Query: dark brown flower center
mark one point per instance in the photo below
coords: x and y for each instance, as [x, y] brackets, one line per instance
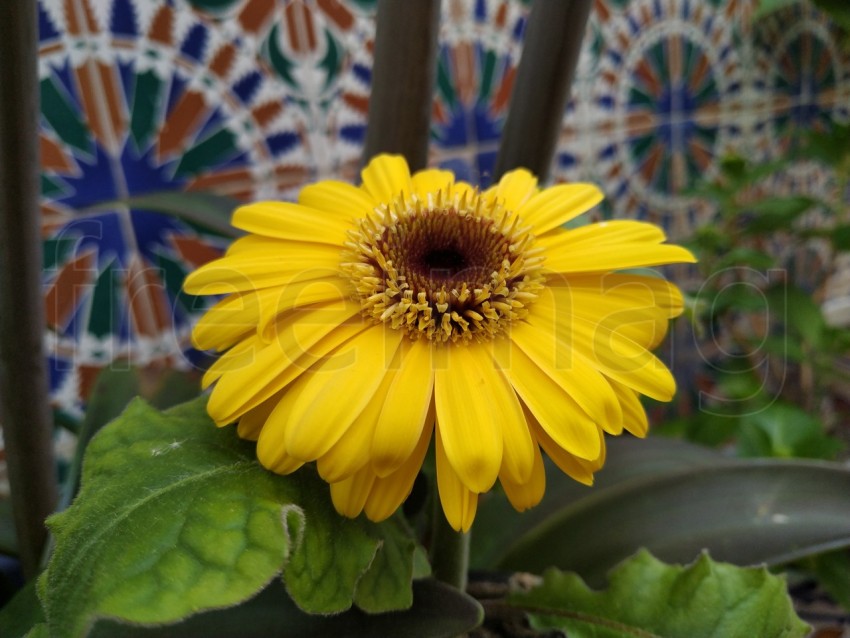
[452, 271]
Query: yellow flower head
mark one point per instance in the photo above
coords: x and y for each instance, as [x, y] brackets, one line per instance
[362, 321]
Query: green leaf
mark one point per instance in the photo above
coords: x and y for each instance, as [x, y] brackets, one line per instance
[785, 431]
[769, 6]
[832, 147]
[840, 237]
[22, 613]
[8, 536]
[837, 10]
[742, 256]
[113, 389]
[743, 511]
[648, 598]
[40, 630]
[776, 213]
[175, 516]
[798, 311]
[831, 570]
[628, 459]
[438, 611]
[386, 587]
[208, 210]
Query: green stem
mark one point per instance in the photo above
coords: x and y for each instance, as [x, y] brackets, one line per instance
[24, 408]
[449, 550]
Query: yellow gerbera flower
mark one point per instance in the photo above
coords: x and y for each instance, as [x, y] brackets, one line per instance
[362, 321]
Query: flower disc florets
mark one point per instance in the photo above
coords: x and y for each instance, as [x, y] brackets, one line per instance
[453, 268]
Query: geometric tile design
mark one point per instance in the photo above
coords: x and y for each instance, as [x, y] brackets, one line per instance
[252, 98]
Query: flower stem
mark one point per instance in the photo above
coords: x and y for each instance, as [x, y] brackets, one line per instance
[24, 410]
[449, 551]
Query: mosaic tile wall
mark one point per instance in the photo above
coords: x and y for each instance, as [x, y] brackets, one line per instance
[251, 98]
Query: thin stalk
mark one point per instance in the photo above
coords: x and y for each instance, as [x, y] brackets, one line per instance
[550, 54]
[24, 409]
[449, 550]
[403, 77]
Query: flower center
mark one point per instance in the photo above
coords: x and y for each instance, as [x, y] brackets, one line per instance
[453, 269]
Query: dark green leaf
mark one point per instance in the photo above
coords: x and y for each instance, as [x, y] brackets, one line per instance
[832, 147]
[768, 6]
[742, 256]
[840, 237]
[837, 10]
[650, 599]
[831, 570]
[8, 536]
[438, 611]
[628, 459]
[113, 389]
[22, 613]
[745, 512]
[175, 516]
[793, 308]
[776, 213]
[207, 210]
[785, 431]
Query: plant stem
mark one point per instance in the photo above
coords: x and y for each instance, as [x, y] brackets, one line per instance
[24, 409]
[550, 54]
[449, 550]
[403, 77]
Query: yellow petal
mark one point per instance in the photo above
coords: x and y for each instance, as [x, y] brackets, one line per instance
[431, 181]
[609, 351]
[585, 385]
[390, 492]
[353, 450]
[624, 289]
[386, 177]
[576, 468]
[334, 392]
[271, 444]
[609, 232]
[274, 302]
[257, 372]
[246, 272]
[624, 360]
[551, 405]
[634, 416]
[223, 324]
[514, 189]
[529, 493]
[252, 422]
[340, 198]
[557, 205]
[257, 244]
[236, 358]
[645, 325]
[349, 496]
[402, 417]
[459, 503]
[285, 220]
[474, 403]
[616, 256]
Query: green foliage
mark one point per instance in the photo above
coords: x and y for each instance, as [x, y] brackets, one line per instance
[765, 335]
[785, 431]
[831, 570]
[113, 389]
[438, 611]
[176, 516]
[648, 598]
[205, 210]
[678, 499]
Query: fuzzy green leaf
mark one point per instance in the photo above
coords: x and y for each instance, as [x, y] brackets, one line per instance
[175, 516]
[648, 598]
[438, 611]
